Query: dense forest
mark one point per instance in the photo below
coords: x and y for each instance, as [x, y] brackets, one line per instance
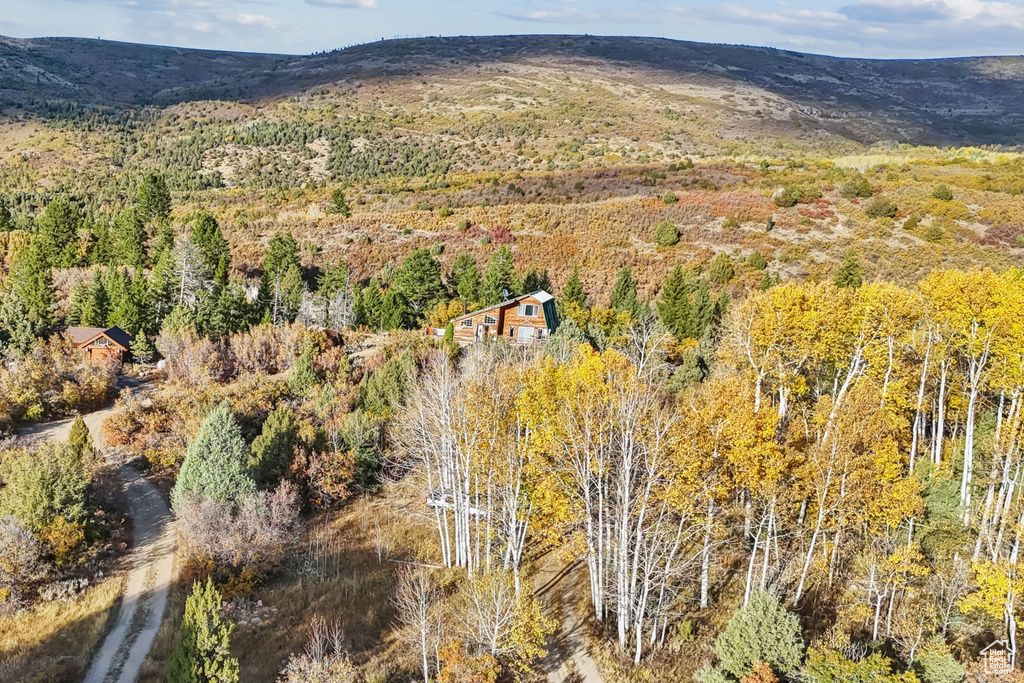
[774, 436]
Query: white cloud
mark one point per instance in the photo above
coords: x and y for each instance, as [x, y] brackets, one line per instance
[353, 4]
[251, 20]
[969, 25]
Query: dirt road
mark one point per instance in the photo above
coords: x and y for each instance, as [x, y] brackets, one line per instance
[149, 578]
[556, 585]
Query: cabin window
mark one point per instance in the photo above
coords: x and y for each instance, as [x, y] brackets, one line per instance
[468, 322]
[490, 320]
[529, 310]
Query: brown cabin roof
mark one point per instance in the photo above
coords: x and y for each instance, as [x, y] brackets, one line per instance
[82, 336]
[540, 295]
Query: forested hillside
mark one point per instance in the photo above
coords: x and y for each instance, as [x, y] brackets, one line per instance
[773, 436]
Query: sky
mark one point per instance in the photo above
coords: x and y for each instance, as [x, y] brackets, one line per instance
[848, 28]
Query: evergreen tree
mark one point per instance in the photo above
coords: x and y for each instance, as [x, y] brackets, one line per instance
[624, 296]
[464, 280]
[130, 238]
[52, 482]
[850, 273]
[163, 285]
[164, 242]
[57, 232]
[419, 285]
[202, 647]
[334, 279]
[216, 462]
[31, 281]
[228, 312]
[272, 451]
[79, 301]
[394, 313]
[534, 282]
[287, 295]
[153, 200]
[96, 307]
[304, 374]
[373, 304]
[281, 254]
[101, 249]
[762, 631]
[499, 280]
[6, 219]
[206, 235]
[573, 291]
[142, 348]
[674, 308]
[703, 309]
[15, 329]
[80, 440]
[723, 303]
[180, 318]
[129, 302]
[338, 203]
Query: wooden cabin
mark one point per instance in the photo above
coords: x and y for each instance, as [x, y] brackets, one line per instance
[101, 344]
[526, 319]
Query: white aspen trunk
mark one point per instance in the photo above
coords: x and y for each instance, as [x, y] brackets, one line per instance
[705, 561]
[940, 426]
[822, 499]
[920, 400]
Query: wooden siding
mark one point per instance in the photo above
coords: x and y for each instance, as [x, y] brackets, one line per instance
[507, 319]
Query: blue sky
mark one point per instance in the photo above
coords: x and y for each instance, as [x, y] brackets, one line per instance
[854, 28]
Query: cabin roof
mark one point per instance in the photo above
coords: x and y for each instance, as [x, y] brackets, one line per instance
[83, 336]
[540, 295]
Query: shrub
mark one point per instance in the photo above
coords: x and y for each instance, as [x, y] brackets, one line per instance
[879, 207]
[763, 631]
[338, 203]
[444, 211]
[40, 487]
[721, 269]
[324, 661]
[666, 234]
[304, 374]
[1019, 241]
[859, 187]
[65, 539]
[936, 664]
[786, 197]
[20, 558]
[943, 193]
[757, 261]
[463, 223]
[669, 197]
[730, 223]
[252, 537]
[912, 221]
[934, 234]
[849, 273]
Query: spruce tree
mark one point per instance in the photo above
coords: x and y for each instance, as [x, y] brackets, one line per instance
[79, 298]
[338, 203]
[850, 273]
[373, 304]
[164, 242]
[721, 269]
[57, 232]
[96, 305]
[419, 283]
[6, 219]
[281, 254]
[206, 235]
[624, 296]
[101, 249]
[464, 280]
[130, 238]
[31, 281]
[15, 330]
[304, 374]
[394, 314]
[216, 462]
[334, 279]
[703, 309]
[153, 200]
[499, 280]
[674, 308]
[80, 440]
[202, 648]
[535, 282]
[272, 451]
[573, 291]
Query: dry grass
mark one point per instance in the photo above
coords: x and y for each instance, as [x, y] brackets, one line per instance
[350, 580]
[55, 641]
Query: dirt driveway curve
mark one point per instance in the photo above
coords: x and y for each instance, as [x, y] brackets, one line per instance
[152, 564]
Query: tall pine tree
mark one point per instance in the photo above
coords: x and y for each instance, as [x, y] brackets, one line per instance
[499, 280]
[573, 292]
[674, 308]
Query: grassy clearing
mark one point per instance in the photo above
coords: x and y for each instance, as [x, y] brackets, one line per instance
[54, 641]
